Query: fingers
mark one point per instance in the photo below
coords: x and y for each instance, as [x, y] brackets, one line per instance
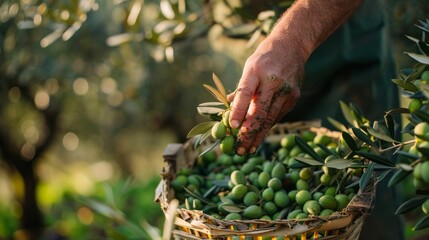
[257, 125]
[244, 94]
[230, 97]
[255, 120]
[277, 108]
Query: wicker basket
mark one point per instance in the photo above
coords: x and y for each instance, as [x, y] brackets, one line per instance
[194, 224]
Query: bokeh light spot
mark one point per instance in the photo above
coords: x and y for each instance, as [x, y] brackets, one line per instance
[13, 10]
[70, 141]
[65, 15]
[31, 134]
[28, 151]
[80, 86]
[37, 20]
[85, 215]
[42, 100]
[108, 85]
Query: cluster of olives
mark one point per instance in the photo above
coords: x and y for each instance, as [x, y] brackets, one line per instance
[226, 134]
[421, 169]
[416, 103]
[232, 187]
[420, 149]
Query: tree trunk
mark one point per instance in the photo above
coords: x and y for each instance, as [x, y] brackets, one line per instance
[32, 219]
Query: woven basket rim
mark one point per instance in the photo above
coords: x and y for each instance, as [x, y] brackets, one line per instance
[355, 211]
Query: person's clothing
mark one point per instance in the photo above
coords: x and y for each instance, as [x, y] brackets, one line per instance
[355, 65]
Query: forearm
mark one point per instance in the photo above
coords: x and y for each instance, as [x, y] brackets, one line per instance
[308, 23]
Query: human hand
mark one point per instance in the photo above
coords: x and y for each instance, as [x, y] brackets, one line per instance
[268, 89]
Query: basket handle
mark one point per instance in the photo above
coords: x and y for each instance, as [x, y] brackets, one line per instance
[170, 155]
[168, 171]
[171, 150]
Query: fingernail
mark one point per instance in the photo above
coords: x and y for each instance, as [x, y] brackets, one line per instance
[252, 150]
[235, 124]
[241, 151]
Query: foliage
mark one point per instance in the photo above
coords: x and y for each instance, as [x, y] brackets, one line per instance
[119, 211]
[384, 138]
[184, 21]
[100, 66]
[379, 142]
[414, 85]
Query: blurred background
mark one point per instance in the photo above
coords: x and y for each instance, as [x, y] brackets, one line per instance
[91, 92]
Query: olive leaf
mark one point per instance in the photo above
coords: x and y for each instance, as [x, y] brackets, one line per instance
[241, 31]
[390, 123]
[381, 175]
[201, 128]
[209, 208]
[366, 177]
[350, 141]
[309, 161]
[406, 167]
[420, 68]
[358, 114]
[200, 197]
[230, 207]
[328, 151]
[415, 95]
[419, 57]
[307, 149]
[380, 135]
[219, 85]
[187, 206]
[411, 205]
[423, 47]
[408, 155]
[339, 126]
[102, 208]
[221, 183]
[398, 111]
[363, 137]
[339, 163]
[348, 114]
[201, 138]
[218, 96]
[409, 127]
[211, 104]
[405, 72]
[422, 223]
[225, 199]
[353, 184]
[415, 40]
[398, 176]
[425, 90]
[422, 115]
[209, 148]
[209, 110]
[408, 86]
[212, 191]
[424, 26]
[380, 159]
[299, 165]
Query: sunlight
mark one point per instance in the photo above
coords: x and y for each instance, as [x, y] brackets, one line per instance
[70, 141]
[42, 100]
[80, 86]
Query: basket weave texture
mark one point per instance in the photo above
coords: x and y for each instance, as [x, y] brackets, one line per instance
[194, 224]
